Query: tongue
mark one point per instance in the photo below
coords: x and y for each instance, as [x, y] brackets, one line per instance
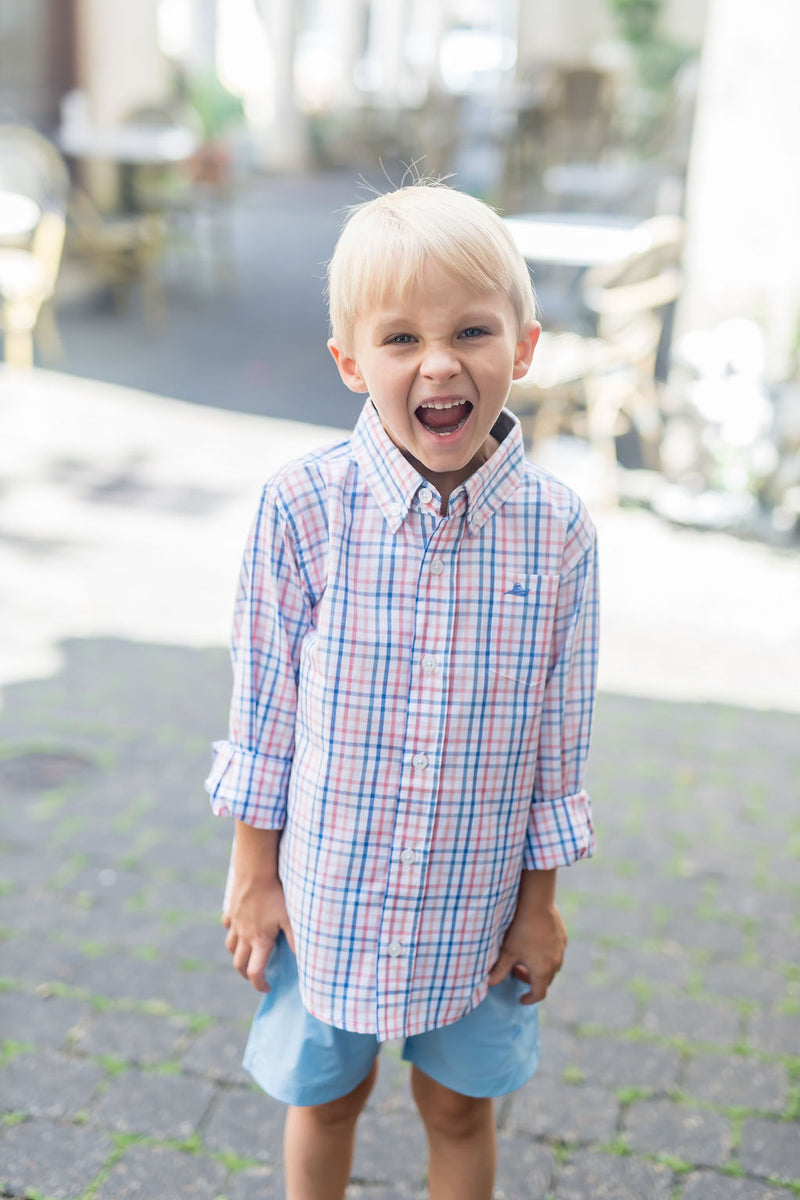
[442, 418]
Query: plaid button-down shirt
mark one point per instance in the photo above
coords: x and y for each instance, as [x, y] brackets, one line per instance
[412, 705]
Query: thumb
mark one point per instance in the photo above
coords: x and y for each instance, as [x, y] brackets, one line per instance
[501, 968]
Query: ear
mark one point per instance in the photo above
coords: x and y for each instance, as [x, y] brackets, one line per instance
[526, 345]
[348, 367]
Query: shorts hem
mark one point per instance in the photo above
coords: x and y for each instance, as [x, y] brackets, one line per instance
[485, 1090]
[302, 1097]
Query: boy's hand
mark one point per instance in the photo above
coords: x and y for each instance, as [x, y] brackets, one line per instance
[535, 941]
[256, 910]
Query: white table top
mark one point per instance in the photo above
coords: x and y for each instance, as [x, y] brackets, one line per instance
[138, 145]
[579, 241]
[18, 214]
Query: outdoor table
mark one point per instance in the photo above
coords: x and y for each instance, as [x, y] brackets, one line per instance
[577, 240]
[129, 145]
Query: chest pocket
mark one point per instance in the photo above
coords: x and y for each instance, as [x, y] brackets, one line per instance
[521, 632]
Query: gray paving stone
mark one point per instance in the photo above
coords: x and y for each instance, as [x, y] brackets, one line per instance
[357, 1191]
[57, 1161]
[778, 946]
[48, 1084]
[617, 1064]
[51, 963]
[524, 1169]
[217, 1053]
[661, 1127]
[778, 1033]
[598, 920]
[133, 1037]
[744, 983]
[388, 1148]
[160, 1173]
[162, 1106]
[221, 994]
[122, 977]
[121, 929]
[669, 966]
[606, 1007]
[708, 1185]
[246, 1123]
[103, 884]
[37, 1021]
[203, 942]
[771, 1148]
[156, 1173]
[612, 1177]
[256, 1183]
[392, 1091]
[559, 1048]
[719, 938]
[733, 1081]
[562, 1112]
[695, 1020]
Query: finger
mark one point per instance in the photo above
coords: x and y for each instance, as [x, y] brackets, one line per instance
[539, 985]
[241, 958]
[231, 941]
[501, 968]
[226, 920]
[257, 965]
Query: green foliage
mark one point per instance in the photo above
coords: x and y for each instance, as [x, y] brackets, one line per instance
[217, 108]
[637, 18]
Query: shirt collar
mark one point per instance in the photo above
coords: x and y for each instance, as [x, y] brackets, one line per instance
[394, 483]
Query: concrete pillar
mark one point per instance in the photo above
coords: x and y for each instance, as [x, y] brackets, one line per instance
[119, 63]
[743, 193]
[283, 137]
[388, 28]
[344, 22]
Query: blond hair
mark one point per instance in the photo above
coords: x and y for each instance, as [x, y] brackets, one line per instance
[386, 242]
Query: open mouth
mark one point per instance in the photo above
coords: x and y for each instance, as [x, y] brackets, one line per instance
[443, 417]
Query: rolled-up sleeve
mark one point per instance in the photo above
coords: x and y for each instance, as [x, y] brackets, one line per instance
[560, 823]
[250, 772]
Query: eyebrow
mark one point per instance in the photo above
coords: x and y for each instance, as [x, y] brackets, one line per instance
[399, 320]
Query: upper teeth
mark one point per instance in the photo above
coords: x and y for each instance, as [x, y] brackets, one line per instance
[442, 403]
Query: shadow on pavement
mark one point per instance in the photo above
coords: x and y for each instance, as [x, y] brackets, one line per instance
[671, 1040]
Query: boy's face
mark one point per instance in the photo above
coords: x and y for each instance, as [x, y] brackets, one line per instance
[438, 364]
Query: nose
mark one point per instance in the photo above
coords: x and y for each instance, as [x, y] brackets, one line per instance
[440, 362]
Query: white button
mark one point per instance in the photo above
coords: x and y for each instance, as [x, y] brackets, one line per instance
[437, 566]
[425, 495]
[429, 663]
[420, 761]
[408, 857]
[394, 949]
[396, 508]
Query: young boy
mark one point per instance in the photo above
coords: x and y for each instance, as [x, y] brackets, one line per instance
[414, 656]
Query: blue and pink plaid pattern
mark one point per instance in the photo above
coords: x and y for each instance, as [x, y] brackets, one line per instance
[412, 704]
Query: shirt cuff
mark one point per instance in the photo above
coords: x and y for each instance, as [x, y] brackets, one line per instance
[559, 832]
[249, 786]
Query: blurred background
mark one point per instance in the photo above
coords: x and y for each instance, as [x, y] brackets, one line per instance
[173, 175]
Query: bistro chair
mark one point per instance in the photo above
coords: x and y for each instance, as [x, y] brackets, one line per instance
[594, 387]
[33, 179]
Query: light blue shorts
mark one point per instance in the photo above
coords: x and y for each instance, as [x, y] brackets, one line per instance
[300, 1060]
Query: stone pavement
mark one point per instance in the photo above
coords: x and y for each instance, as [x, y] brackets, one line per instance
[671, 1066]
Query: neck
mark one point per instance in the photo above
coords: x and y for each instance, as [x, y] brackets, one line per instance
[446, 482]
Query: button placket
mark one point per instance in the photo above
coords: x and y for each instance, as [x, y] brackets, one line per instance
[415, 811]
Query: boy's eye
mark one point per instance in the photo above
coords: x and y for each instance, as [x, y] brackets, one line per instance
[473, 331]
[399, 339]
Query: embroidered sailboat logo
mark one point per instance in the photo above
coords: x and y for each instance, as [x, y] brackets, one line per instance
[516, 590]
